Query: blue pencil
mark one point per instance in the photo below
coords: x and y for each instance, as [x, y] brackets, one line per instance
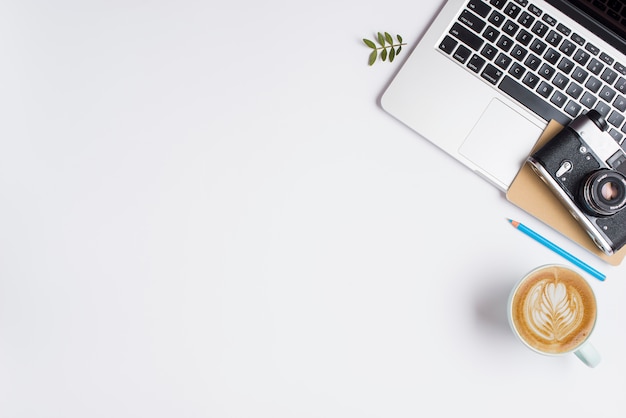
[560, 251]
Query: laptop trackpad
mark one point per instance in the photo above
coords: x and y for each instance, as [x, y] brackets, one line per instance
[500, 141]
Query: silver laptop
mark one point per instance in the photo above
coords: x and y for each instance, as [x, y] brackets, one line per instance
[488, 76]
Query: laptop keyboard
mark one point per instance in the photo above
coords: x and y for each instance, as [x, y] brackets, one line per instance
[539, 62]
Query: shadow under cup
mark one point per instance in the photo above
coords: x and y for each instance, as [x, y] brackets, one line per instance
[553, 311]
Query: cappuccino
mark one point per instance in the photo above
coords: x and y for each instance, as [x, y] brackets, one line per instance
[553, 310]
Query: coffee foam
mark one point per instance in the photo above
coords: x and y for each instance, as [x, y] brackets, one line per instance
[554, 310]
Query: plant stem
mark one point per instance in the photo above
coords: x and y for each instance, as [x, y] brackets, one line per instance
[392, 46]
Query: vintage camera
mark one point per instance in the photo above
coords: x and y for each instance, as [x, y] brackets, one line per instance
[586, 169]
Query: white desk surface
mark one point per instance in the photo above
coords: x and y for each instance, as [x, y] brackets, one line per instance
[205, 213]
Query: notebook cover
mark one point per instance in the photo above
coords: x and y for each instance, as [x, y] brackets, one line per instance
[530, 194]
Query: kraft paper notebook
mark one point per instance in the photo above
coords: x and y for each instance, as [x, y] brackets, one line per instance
[530, 194]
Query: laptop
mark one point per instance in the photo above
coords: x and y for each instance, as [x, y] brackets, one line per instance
[488, 75]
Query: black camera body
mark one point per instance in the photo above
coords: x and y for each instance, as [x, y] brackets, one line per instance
[586, 169]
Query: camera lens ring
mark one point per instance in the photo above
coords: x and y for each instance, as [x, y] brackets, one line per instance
[604, 192]
[597, 119]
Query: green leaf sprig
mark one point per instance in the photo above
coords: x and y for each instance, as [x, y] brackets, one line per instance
[389, 48]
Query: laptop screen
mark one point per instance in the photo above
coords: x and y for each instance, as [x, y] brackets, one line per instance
[607, 19]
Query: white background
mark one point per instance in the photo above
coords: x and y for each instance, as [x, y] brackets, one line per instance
[205, 213]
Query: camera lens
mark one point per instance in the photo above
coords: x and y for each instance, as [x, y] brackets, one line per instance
[604, 192]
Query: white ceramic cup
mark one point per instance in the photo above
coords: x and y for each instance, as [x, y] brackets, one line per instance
[553, 311]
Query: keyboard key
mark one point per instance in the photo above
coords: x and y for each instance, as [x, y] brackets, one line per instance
[466, 36]
[491, 34]
[532, 101]
[492, 74]
[544, 89]
[593, 84]
[603, 108]
[567, 48]
[594, 50]
[518, 52]
[572, 108]
[532, 62]
[563, 29]
[565, 65]
[582, 57]
[620, 103]
[580, 75]
[620, 68]
[526, 19]
[489, 51]
[546, 71]
[620, 85]
[535, 10]
[588, 100]
[462, 53]
[472, 21]
[498, 4]
[480, 8]
[595, 66]
[517, 70]
[552, 56]
[530, 80]
[496, 18]
[448, 44]
[607, 94]
[540, 29]
[558, 99]
[609, 76]
[505, 43]
[538, 46]
[554, 38]
[574, 90]
[615, 119]
[475, 63]
[503, 61]
[510, 28]
[512, 10]
[560, 81]
[549, 20]
[606, 58]
[524, 37]
[578, 39]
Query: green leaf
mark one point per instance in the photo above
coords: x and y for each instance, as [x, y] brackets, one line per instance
[372, 58]
[369, 43]
[384, 42]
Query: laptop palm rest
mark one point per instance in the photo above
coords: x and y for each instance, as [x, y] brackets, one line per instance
[500, 141]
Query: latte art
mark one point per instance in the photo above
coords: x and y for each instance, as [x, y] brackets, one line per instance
[553, 310]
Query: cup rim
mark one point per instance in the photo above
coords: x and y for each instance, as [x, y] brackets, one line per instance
[510, 313]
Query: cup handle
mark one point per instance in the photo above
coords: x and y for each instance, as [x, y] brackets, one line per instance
[588, 355]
